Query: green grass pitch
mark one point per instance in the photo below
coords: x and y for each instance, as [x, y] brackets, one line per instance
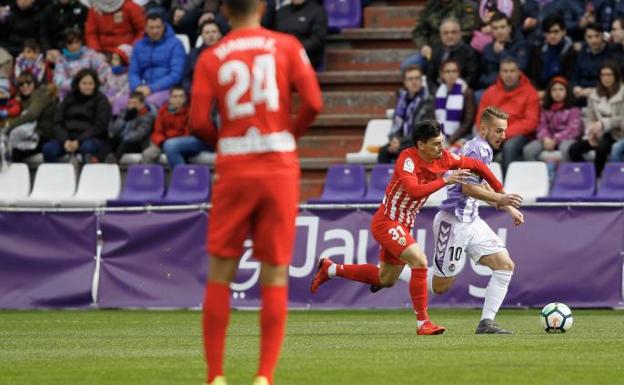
[322, 347]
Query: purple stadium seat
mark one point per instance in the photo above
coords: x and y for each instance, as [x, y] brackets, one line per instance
[343, 13]
[573, 182]
[145, 183]
[344, 183]
[612, 183]
[190, 183]
[379, 179]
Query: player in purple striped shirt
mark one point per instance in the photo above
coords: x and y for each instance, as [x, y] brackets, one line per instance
[459, 232]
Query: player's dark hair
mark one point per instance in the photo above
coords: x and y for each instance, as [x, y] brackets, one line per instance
[553, 20]
[425, 130]
[490, 113]
[238, 8]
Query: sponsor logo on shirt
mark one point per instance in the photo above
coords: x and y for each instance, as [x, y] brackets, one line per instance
[408, 166]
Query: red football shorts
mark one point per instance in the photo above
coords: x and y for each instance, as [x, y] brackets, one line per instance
[263, 208]
[392, 236]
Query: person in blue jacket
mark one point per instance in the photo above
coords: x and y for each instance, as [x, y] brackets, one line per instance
[158, 61]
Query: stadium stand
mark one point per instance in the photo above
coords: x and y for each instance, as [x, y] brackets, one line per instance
[529, 179]
[574, 181]
[345, 183]
[379, 178]
[98, 183]
[376, 135]
[612, 183]
[54, 182]
[190, 184]
[145, 183]
[14, 183]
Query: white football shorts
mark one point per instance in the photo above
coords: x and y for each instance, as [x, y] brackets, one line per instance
[455, 240]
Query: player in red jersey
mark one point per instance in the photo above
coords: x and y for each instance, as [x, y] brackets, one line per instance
[249, 75]
[419, 171]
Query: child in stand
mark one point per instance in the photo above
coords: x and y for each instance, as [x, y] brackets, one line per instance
[32, 60]
[117, 83]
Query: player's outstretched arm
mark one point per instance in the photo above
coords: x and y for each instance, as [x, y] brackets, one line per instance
[480, 168]
[496, 199]
[303, 78]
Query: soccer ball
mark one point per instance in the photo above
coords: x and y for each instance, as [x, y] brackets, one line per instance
[556, 317]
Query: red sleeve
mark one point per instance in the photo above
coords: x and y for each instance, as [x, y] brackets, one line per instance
[158, 135]
[91, 35]
[476, 166]
[405, 171]
[202, 102]
[303, 79]
[14, 108]
[137, 20]
[528, 123]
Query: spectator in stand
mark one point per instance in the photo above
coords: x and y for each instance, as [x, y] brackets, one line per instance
[413, 105]
[111, 23]
[426, 32]
[617, 37]
[503, 45]
[6, 70]
[454, 104]
[589, 61]
[605, 117]
[606, 12]
[184, 17]
[157, 62]
[514, 94]
[38, 104]
[76, 57]
[31, 60]
[536, 11]
[306, 20]
[453, 47]
[9, 107]
[560, 123]
[117, 85]
[556, 57]
[211, 11]
[130, 131]
[171, 133]
[81, 120]
[487, 9]
[23, 21]
[210, 34]
[61, 16]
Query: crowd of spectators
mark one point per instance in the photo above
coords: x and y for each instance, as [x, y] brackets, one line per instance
[92, 80]
[554, 66]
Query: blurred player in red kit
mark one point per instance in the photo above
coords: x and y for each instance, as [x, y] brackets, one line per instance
[419, 171]
[249, 75]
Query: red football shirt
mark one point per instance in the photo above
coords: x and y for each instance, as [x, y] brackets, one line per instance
[415, 179]
[250, 75]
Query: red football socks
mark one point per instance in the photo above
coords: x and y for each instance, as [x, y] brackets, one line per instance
[216, 317]
[272, 327]
[418, 292]
[361, 273]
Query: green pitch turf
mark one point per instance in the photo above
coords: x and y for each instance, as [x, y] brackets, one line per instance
[322, 347]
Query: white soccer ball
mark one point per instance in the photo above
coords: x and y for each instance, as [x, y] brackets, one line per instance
[556, 317]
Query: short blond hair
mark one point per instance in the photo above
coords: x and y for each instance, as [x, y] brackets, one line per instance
[490, 113]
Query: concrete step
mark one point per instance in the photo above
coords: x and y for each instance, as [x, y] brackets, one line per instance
[352, 102]
[366, 59]
[360, 80]
[328, 146]
[374, 37]
[391, 16]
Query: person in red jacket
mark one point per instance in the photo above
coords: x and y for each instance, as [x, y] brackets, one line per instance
[171, 133]
[111, 23]
[514, 94]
